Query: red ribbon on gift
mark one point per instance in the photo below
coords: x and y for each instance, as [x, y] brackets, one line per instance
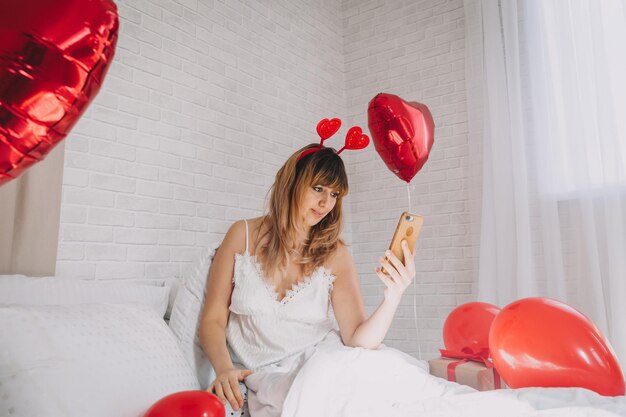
[466, 356]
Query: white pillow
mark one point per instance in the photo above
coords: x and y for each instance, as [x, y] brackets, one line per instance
[184, 320]
[96, 360]
[172, 282]
[18, 289]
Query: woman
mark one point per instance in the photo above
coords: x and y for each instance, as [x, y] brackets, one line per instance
[274, 279]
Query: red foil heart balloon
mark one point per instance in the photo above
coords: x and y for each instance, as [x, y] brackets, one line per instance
[539, 342]
[403, 133]
[53, 59]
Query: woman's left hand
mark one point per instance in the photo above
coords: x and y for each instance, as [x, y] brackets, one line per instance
[399, 276]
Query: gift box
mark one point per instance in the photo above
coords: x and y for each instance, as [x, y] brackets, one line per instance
[467, 372]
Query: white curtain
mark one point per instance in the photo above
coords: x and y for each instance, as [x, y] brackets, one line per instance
[547, 106]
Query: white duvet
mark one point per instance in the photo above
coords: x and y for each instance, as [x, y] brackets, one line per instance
[332, 380]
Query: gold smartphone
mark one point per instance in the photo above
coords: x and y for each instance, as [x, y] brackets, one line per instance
[408, 229]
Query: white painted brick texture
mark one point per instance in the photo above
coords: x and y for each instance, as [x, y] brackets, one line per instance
[204, 101]
[416, 51]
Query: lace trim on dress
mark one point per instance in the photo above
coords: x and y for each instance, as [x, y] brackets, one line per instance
[330, 280]
[296, 287]
[256, 270]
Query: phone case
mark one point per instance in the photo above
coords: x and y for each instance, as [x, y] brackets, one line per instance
[408, 229]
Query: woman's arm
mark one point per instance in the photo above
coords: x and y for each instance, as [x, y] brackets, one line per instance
[214, 318]
[355, 329]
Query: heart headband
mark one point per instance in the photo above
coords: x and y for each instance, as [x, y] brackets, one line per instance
[355, 139]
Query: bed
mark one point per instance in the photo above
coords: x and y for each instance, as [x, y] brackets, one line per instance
[108, 348]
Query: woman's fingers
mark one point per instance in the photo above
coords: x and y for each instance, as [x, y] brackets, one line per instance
[219, 392]
[391, 270]
[397, 276]
[230, 396]
[226, 387]
[384, 278]
[396, 262]
[244, 374]
[234, 385]
[409, 262]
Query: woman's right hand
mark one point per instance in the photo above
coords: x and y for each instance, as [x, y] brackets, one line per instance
[226, 386]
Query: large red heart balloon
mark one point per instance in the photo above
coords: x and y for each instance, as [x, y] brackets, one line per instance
[466, 329]
[187, 404]
[54, 56]
[403, 133]
[540, 342]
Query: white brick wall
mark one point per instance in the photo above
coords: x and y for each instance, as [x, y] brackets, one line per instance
[202, 103]
[416, 51]
[205, 100]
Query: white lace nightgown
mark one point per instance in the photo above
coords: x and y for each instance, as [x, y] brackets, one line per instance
[280, 338]
[272, 336]
[262, 329]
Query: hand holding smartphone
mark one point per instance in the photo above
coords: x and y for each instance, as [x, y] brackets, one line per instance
[408, 229]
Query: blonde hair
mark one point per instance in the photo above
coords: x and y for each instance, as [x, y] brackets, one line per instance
[323, 167]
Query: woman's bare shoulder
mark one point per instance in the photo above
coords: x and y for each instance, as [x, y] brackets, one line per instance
[256, 230]
[255, 223]
[340, 259]
[235, 238]
[340, 250]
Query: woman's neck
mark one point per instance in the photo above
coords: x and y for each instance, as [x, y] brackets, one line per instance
[302, 236]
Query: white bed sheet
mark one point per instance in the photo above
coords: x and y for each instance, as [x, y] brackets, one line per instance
[527, 402]
[336, 381]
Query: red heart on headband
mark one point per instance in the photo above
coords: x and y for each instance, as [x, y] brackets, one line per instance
[326, 128]
[355, 139]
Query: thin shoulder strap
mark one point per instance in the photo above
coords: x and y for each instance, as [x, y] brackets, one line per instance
[246, 222]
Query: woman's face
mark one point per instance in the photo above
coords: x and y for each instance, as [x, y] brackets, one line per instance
[316, 203]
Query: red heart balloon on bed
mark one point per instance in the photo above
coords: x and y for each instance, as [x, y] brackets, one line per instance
[187, 404]
[466, 329]
[403, 133]
[540, 342]
[54, 56]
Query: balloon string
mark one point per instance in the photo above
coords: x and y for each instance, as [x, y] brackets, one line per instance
[417, 333]
[408, 194]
